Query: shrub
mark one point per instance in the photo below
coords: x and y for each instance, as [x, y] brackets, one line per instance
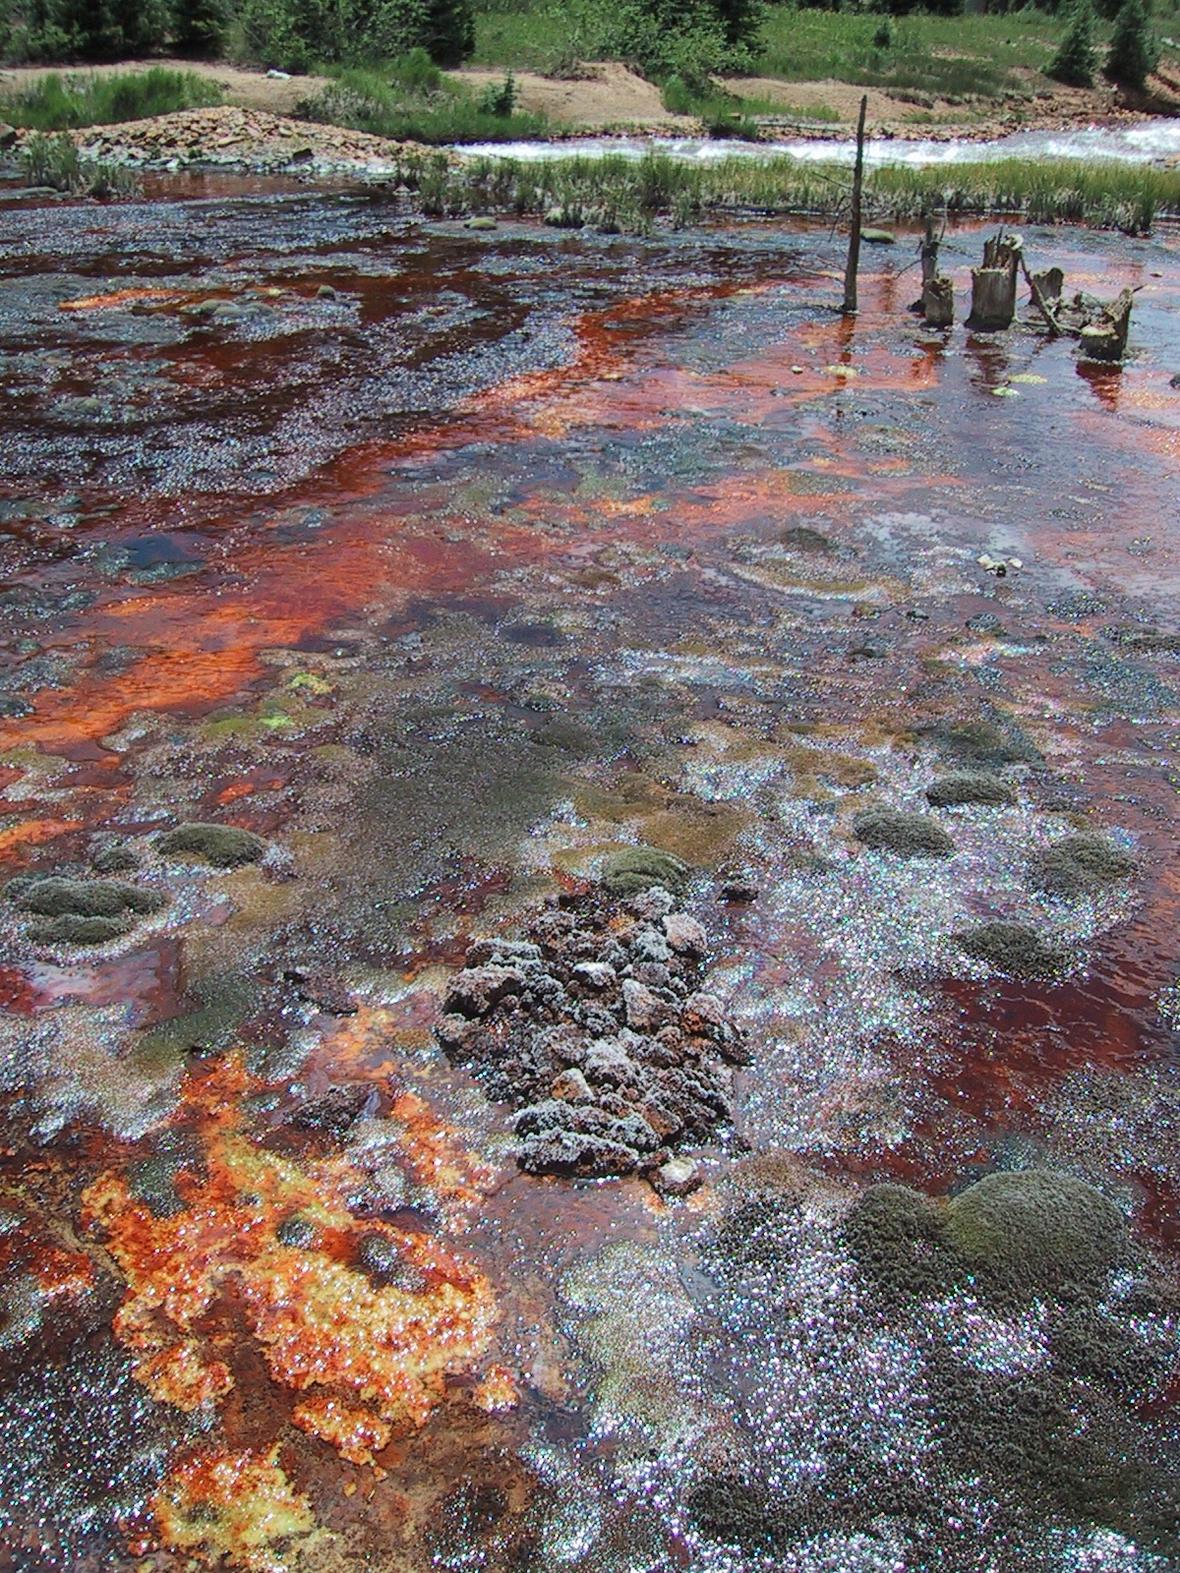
[1075, 61]
[499, 98]
[56, 163]
[1133, 48]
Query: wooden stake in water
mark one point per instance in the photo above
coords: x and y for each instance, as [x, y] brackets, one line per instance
[854, 229]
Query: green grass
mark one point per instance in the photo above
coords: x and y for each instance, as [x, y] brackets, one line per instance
[536, 37]
[617, 194]
[63, 103]
[401, 101]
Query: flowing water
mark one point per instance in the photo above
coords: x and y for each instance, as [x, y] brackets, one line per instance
[448, 564]
[1154, 142]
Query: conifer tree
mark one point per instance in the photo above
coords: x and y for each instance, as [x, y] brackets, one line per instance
[1133, 49]
[1075, 61]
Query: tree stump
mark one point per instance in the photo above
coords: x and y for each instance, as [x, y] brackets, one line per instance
[993, 286]
[938, 302]
[1105, 339]
[1050, 283]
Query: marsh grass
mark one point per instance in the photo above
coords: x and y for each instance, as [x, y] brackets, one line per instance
[619, 194]
[64, 103]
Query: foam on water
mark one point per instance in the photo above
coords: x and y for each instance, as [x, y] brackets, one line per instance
[1149, 143]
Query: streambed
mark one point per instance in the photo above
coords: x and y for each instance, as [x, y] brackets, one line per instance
[451, 565]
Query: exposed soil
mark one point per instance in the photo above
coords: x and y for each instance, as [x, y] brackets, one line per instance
[610, 97]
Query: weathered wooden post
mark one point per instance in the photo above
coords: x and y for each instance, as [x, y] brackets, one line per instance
[993, 286]
[937, 300]
[858, 171]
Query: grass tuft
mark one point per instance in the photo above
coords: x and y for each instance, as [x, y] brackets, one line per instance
[54, 162]
[398, 100]
[64, 103]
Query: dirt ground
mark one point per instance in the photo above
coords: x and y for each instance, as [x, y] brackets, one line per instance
[610, 97]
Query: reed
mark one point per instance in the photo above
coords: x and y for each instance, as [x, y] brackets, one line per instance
[614, 192]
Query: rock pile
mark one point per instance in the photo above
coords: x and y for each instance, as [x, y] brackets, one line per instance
[598, 1029]
[235, 138]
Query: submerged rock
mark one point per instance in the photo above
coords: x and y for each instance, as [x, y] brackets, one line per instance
[1079, 865]
[907, 835]
[969, 787]
[596, 1031]
[221, 846]
[1012, 947]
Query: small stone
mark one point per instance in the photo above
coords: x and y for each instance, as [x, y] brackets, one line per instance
[453, 1030]
[595, 974]
[326, 292]
[702, 1015]
[648, 944]
[571, 1087]
[684, 934]
[878, 237]
[477, 989]
[645, 1010]
[482, 221]
[677, 1177]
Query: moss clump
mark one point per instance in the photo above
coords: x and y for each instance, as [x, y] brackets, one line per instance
[1079, 865]
[55, 897]
[1036, 1229]
[894, 1237]
[980, 744]
[639, 868]
[908, 835]
[742, 1513]
[221, 846]
[70, 929]
[1014, 948]
[969, 787]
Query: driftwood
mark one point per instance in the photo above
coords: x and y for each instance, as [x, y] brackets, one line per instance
[1040, 299]
[993, 286]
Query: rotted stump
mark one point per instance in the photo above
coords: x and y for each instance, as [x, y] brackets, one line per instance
[1105, 339]
[993, 286]
[938, 302]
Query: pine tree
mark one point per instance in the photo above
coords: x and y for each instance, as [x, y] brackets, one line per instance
[1133, 49]
[1075, 61]
[198, 26]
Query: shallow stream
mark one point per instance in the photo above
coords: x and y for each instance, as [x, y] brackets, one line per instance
[450, 564]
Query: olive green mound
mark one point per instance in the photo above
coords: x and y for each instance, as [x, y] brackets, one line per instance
[968, 787]
[53, 896]
[1079, 865]
[894, 1236]
[906, 835]
[220, 846]
[1014, 948]
[640, 868]
[1036, 1228]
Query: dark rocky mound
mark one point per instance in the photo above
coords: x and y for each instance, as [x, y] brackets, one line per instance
[598, 1031]
[220, 846]
[80, 911]
[908, 835]
[1079, 866]
[1014, 948]
[969, 787]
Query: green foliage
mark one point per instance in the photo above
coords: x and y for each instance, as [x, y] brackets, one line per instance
[199, 26]
[412, 101]
[1134, 52]
[499, 98]
[295, 35]
[55, 162]
[1076, 62]
[81, 29]
[57, 103]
